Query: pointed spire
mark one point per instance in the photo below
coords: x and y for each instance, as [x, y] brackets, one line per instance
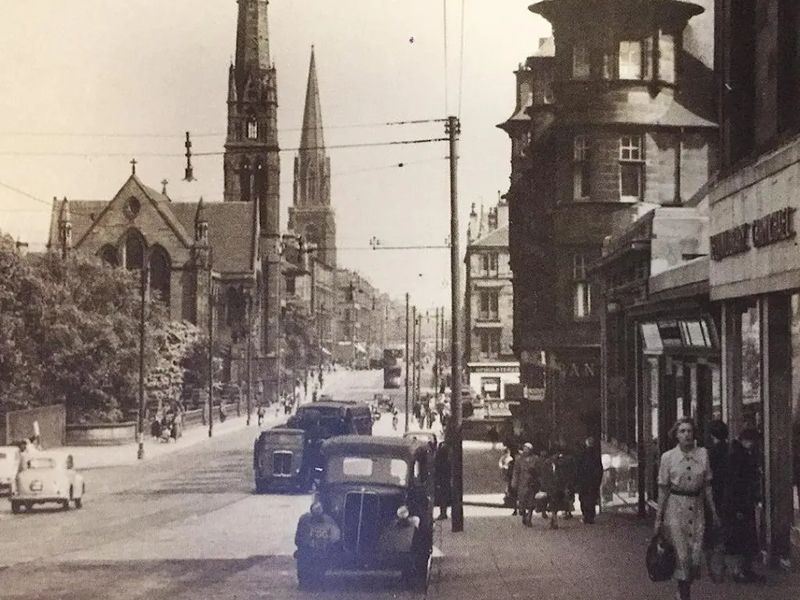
[311, 138]
[252, 36]
[232, 95]
[201, 224]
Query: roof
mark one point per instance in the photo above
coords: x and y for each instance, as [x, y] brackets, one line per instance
[230, 231]
[497, 238]
[374, 445]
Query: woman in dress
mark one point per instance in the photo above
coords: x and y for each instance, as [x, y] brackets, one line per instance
[684, 484]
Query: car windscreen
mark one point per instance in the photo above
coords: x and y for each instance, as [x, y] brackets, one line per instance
[285, 439]
[41, 463]
[367, 469]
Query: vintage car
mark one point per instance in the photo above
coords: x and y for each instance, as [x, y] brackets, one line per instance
[379, 491]
[9, 467]
[278, 460]
[48, 477]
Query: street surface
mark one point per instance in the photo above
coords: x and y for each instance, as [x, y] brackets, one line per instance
[187, 525]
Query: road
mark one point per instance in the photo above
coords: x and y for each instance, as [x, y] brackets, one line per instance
[183, 525]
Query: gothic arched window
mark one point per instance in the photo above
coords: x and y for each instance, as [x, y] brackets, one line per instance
[108, 254]
[160, 274]
[312, 235]
[134, 250]
[235, 310]
[252, 129]
[244, 179]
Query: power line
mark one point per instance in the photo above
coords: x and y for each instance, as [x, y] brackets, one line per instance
[24, 193]
[154, 135]
[219, 152]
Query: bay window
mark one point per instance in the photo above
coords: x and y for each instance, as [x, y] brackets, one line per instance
[630, 59]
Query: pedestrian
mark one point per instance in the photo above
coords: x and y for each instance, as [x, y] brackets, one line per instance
[718, 459]
[684, 484]
[442, 482]
[260, 413]
[742, 500]
[506, 464]
[526, 482]
[589, 476]
[222, 414]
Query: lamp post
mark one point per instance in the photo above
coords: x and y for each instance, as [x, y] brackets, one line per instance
[143, 304]
[249, 318]
[211, 305]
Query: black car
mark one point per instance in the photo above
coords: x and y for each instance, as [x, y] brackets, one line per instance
[379, 491]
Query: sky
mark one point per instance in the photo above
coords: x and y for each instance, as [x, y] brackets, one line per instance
[89, 84]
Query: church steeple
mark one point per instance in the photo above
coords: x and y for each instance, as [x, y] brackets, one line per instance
[252, 163]
[312, 214]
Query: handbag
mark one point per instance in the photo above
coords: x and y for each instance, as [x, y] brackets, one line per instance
[660, 558]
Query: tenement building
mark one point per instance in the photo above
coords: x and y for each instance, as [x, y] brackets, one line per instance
[629, 126]
[754, 260]
[488, 306]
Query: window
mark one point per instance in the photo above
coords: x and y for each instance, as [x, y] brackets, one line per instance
[630, 59]
[252, 129]
[581, 289]
[666, 58]
[580, 62]
[490, 344]
[489, 264]
[580, 167]
[609, 60]
[647, 71]
[630, 168]
[490, 387]
[489, 306]
[291, 288]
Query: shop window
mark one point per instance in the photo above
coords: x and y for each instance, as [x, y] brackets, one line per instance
[489, 306]
[490, 344]
[630, 59]
[580, 167]
[666, 58]
[752, 415]
[631, 168]
[580, 62]
[490, 388]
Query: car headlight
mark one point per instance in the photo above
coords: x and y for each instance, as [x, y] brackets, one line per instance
[402, 513]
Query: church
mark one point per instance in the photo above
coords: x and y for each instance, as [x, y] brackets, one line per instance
[224, 261]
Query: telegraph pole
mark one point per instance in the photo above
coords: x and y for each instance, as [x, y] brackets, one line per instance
[143, 290]
[453, 129]
[249, 357]
[414, 354]
[408, 364]
[210, 348]
[436, 356]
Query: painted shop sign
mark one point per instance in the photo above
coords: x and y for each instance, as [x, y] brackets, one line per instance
[489, 369]
[774, 227]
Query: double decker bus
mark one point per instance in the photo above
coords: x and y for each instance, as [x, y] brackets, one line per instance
[393, 365]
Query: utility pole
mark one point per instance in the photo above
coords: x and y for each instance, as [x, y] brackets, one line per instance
[210, 347]
[453, 129]
[143, 291]
[419, 358]
[436, 355]
[414, 355]
[249, 356]
[408, 364]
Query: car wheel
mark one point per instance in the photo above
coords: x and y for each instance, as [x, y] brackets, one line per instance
[16, 507]
[65, 505]
[78, 502]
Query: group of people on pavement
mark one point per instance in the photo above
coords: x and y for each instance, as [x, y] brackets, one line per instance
[546, 482]
[708, 502]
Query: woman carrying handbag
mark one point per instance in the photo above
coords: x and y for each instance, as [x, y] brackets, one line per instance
[684, 484]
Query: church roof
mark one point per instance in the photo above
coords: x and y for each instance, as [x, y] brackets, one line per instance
[230, 231]
[312, 138]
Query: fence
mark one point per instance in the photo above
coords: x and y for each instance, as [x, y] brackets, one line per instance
[20, 424]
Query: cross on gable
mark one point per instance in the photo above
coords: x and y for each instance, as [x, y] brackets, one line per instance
[133, 166]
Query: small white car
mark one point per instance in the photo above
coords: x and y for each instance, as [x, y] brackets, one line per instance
[9, 467]
[45, 478]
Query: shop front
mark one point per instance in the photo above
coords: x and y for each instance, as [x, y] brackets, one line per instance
[755, 278]
[488, 380]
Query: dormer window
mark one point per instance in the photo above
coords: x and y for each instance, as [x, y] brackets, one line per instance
[252, 129]
[647, 58]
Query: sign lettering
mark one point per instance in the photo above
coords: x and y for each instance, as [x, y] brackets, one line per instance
[774, 227]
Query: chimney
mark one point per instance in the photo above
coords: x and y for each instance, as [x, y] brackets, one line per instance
[502, 213]
[472, 230]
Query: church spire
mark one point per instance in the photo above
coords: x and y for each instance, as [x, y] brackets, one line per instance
[252, 35]
[311, 139]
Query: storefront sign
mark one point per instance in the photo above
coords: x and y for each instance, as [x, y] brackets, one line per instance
[774, 227]
[490, 369]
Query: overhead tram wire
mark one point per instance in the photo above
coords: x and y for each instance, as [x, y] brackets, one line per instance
[154, 135]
